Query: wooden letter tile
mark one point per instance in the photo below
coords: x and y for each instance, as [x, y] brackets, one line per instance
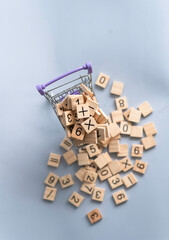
[92, 150]
[137, 150]
[140, 166]
[54, 160]
[148, 142]
[114, 146]
[92, 166]
[51, 179]
[121, 103]
[66, 144]
[145, 109]
[89, 125]
[102, 80]
[125, 128]
[83, 159]
[126, 164]
[129, 180]
[69, 118]
[114, 130]
[120, 197]
[78, 132]
[82, 111]
[127, 113]
[94, 216]
[117, 116]
[123, 150]
[134, 116]
[66, 181]
[70, 157]
[101, 161]
[136, 131]
[87, 188]
[117, 88]
[93, 106]
[149, 129]
[90, 177]
[49, 194]
[58, 109]
[101, 133]
[104, 173]
[76, 100]
[115, 167]
[80, 174]
[98, 194]
[91, 137]
[115, 181]
[76, 199]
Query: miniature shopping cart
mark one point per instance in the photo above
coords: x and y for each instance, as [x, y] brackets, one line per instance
[58, 93]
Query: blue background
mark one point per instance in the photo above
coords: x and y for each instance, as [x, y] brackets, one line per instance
[129, 40]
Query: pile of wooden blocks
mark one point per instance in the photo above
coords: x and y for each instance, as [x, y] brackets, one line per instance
[88, 126]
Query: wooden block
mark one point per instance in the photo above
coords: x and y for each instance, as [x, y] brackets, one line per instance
[98, 194]
[140, 166]
[149, 129]
[76, 199]
[145, 109]
[106, 126]
[126, 164]
[102, 118]
[148, 142]
[137, 150]
[49, 194]
[82, 149]
[115, 181]
[121, 103]
[96, 115]
[104, 173]
[87, 188]
[101, 161]
[82, 111]
[114, 130]
[127, 113]
[90, 177]
[91, 138]
[92, 166]
[92, 150]
[64, 103]
[117, 137]
[76, 100]
[101, 133]
[129, 180]
[106, 155]
[123, 150]
[94, 216]
[134, 116]
[114, 146]
[69, 130]
[105, 143]
[120, 197]
[54, 160]
[86, 90]
[83, 159]
[117, 88]
[80, 174]
[102, 80]
[69, 117]
[78, 132]
[78, 120]
[93, 106]
[66, 181]
[89, 125]
[51, 179]
[115, 167]
[125, 128]
[117, 116]
[70, 157]
[66, 144]
[109, 120]
[136, 131]
[58, 109]
[78, 143]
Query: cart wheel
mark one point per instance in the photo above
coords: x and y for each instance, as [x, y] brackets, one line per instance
[88, 66]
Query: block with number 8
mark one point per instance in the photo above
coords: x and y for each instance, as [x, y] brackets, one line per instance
[121, 103]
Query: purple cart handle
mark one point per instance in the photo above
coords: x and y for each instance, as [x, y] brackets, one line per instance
[41, 87]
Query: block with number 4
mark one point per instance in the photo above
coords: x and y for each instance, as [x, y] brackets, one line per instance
[102, 80]
[120, 197]
[76, 199]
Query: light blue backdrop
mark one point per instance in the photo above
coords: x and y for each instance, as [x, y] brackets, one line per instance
[129, 40]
